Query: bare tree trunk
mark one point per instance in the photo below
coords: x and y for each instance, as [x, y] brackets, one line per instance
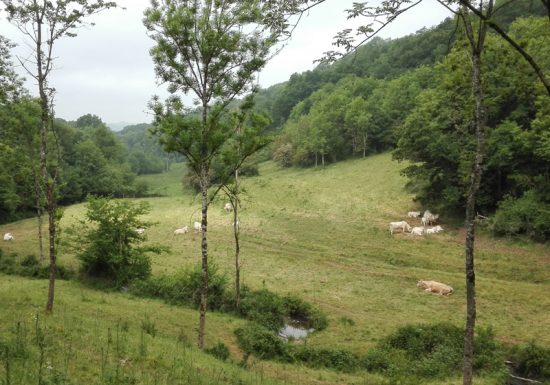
[477, 45]
[364, 145]
[39, 213]
[323, 159]
[204, 252]
[236, 229]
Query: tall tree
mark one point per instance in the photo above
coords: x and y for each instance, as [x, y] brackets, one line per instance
[44, 23]
[211, 49]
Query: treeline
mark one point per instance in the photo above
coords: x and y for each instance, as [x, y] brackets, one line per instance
[421, 115]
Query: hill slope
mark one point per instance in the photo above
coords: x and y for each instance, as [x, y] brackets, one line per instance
[322, 234]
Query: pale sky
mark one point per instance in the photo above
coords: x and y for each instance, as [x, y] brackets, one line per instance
[107, 71]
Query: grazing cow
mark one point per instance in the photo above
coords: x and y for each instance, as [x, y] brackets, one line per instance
[183, 230]
[197, 226]
[228, 207]
[404, 226]
[417, 231]
[431, 231]
[437, 229]
[140, 230]
[435, 287]
[8, 237]
[413, 214]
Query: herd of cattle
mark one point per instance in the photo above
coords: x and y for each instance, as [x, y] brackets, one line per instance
[427, 219]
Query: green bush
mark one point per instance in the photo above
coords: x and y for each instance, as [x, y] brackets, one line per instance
[431, 351]
[532, 361]
[31, 267]
[108, 245]
[307, 315]
[183, 287]
[263, 307]
[220, 351]
[263, 343]
[526, 215]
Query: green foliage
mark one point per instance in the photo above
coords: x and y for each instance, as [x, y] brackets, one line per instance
[183, 287]
[261, 342]
[532, 361]
[263, 307]
[304, 313]
[528, 215]
[431, 351]
[31, 267]
[108, 241]
[220, 351]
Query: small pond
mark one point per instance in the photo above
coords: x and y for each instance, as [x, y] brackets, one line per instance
[290, 331]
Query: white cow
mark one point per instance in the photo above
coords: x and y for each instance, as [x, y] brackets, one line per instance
[140, 230]
[8, 237]
[435, 287]
[197, 226]
[417, 231]
[438, 229]
[431, 231]
[228, 207]
[428, 218]
[404, 226]
[183, 230]
[413, 214]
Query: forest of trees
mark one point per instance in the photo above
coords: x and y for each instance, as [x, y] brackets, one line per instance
[378, 100]
[401, 95]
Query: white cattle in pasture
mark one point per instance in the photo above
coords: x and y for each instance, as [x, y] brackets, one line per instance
[435, 287]
[430, 231]
[413, 214]
[140, 230]
[8, 237]
[228, 207]
[183, 230]
[437, 229]
[197, 226]
[417, 231]
[429, 219]
[404, 226]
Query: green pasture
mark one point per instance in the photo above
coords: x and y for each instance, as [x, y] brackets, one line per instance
[321, 234]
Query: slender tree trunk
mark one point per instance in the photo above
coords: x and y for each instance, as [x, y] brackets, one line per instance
[323, 159]
[204, 251]
[49, 183]
[204, 182]
[364, 145]
[477, 45]
[39, 213]
[316, 159]
[236, 229]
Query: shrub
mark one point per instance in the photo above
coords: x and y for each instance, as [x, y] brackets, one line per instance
[307, 315]
[263, 307]
[31, 267]
[532, 361]
[261, 342]
[183, 287]
[220, 351]
[430, 351]
[526, 215]
[109, 245]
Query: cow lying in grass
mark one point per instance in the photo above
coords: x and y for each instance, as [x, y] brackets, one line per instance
[435, 287]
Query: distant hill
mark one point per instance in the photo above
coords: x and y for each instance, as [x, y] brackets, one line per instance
[118, 126]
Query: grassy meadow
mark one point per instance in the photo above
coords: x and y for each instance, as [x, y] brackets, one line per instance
[321, 234]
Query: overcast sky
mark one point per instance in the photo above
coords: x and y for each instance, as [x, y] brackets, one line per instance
[106, 70]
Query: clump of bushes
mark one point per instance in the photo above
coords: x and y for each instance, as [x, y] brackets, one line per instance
[183, 287]
[532, 361]
[528, 215]
[220, 351]
[431, 351]
[31, 267]
[255, 339]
